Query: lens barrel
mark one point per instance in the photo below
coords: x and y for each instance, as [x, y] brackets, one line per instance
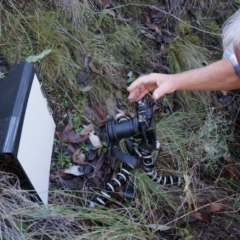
[125, 129]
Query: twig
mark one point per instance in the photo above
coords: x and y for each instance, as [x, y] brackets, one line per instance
[206, 205]
[167, 13]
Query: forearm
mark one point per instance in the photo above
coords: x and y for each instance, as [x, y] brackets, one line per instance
[216, 76]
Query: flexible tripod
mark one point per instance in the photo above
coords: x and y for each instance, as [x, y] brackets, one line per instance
[142, 154]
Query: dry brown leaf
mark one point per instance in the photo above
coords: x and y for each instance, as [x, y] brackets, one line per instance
[110, 12]
[87, 129]
[101, 122]
[93, 68]
[147, 17]
[68, 136]
[71, 137]
[215, 207]
[152, 26]
[149, 35]
[228, 159]
[58, 174]
[78, 157]
[103, 2]
[21, 3]
[159, 15]
[102, 114]
[202, 217]
[69, 127]
[99, 164]
[71, 148]
[233, 171]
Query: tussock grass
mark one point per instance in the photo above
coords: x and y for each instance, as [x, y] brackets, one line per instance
[72, 31]
[22, 218]
[184, 57]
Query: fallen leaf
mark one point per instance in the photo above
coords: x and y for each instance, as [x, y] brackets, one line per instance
[82, 77]
[35, 58]
[147, 17]
[78, 157]
[159, 15]
[69, 127]
[102, 114]
[131, 79]
[101, 122]
[215, 207]
[110, 12]
[148, 35]
[202, 217]
[87, 129]
[130, 74]
[159, 227]
[152, 26]
[96, 176]
[93, 68]
[98, 166]
[228, 159]
[233, 171]
[86, 89]
[21, 3]
[74, 65]
[71, 137]
[57, 174]
[71, 148]
[103, 2]
[94, 139]
[74, 170]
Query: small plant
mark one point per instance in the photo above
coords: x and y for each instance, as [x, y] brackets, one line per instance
[83, 147]
[63, 159]
[105, 147]
[76, 120]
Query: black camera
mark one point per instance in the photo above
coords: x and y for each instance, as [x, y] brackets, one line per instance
[141, 127]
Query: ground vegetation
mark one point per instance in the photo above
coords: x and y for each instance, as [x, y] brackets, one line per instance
[86, 53]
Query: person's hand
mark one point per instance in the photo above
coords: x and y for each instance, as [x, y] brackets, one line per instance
[160, 84]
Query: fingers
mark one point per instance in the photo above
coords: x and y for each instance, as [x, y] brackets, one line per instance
[161, 84]
[137, 94]
[139, 88]
[137, 83]
[159, 92]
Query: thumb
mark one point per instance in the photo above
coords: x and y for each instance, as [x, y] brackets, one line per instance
[158, 93]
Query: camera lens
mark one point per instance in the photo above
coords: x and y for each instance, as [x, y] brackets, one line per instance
[124, 129]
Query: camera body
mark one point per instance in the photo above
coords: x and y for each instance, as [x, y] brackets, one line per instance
[141, 127]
